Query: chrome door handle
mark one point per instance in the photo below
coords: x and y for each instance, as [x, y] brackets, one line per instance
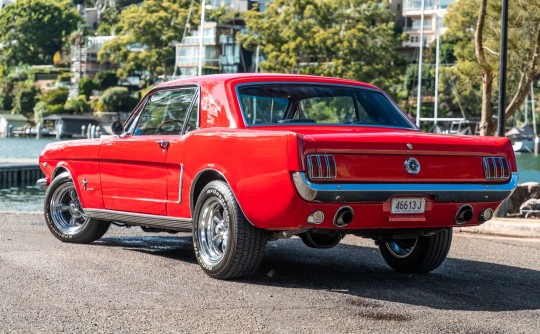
[164, 144]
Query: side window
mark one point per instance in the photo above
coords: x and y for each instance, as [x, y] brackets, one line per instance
[165, 112]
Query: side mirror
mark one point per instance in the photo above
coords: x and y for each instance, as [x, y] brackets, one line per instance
[117, 128]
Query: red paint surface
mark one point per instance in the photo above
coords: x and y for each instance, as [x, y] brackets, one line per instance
[135, 174]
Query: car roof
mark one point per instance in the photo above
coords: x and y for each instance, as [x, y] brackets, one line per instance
[261, 77]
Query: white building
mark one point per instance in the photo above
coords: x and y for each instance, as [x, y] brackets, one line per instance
[434, 11]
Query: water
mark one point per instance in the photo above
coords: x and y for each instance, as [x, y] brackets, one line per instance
[30, 199]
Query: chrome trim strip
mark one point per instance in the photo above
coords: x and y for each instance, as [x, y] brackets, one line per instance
[180, 182]
[380, 192]
[140, 219]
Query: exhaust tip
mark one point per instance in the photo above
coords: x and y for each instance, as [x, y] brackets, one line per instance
[464, 214]
[344, 216]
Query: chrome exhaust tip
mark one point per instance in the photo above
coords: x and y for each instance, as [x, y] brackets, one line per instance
[464, 214]
[344, 216]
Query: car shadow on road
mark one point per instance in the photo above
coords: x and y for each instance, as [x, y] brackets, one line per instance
[361, 272]
[177, 248]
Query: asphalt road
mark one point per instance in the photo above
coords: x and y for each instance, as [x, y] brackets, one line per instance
[131, 282]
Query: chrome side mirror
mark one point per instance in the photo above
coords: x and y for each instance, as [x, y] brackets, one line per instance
[117, 128]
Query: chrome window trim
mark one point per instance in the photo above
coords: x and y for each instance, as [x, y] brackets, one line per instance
[295, 82]
[380, 192]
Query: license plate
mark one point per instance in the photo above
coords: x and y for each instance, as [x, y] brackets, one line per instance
[408, 205]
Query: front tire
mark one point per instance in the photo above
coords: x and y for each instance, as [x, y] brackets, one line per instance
[65, 217]
[226, 245]
[420, 255]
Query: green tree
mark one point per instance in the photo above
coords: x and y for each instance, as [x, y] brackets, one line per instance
[352, 39]
[476, 29]
[51, 102]
[32, 31]
[145, 36]
[116, 99]
[86, 86]
[77, 105]
[25, 101]
[106, 79]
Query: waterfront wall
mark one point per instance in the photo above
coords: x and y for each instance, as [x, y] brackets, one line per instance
[19, 175]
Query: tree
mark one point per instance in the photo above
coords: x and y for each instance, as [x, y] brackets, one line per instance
[106, 79]
[86, 86]
[77, 105]
[25, 101]
[32, 31]
[116, 99]
[145, 36]
[52, 102]
[352, 39]
[476, 28]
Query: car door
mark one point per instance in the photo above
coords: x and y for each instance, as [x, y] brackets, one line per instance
[133, 166]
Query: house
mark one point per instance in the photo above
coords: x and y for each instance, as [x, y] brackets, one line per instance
[9, 123]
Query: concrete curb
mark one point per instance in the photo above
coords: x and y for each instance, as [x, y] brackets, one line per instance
[520, 228]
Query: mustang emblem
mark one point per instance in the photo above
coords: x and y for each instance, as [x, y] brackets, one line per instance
[409, 146]
[412, 166]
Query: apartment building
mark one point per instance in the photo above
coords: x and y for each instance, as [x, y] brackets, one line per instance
[434, 11]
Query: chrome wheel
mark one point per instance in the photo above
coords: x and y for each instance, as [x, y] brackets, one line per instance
[213, 231]
[401, 249]
[66, 212]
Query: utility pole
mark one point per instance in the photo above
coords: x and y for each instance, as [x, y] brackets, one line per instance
[502, 68]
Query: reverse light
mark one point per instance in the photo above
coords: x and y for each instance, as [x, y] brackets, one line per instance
[321, 166]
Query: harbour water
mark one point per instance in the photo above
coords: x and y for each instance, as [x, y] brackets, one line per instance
[30, 198]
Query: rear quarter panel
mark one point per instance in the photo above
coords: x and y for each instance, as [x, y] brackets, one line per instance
[257, 166]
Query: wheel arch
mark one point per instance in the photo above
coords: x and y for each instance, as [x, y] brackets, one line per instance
[204, 177]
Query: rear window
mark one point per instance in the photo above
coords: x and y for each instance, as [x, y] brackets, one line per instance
[267, 104]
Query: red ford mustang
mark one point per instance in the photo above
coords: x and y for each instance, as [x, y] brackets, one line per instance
[242, 159]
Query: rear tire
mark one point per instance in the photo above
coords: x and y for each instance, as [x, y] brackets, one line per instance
[420, 255]
[226, 245]
[65, 217]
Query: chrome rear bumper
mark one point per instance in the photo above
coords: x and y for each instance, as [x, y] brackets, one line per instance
[380, 192]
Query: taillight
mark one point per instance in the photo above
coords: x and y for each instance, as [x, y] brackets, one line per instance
[321, 166]
[496, 168]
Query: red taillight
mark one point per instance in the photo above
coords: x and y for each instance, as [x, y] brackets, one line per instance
[321, 166]
[496, 168]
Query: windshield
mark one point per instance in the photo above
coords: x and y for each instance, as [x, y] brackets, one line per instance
[265, 104]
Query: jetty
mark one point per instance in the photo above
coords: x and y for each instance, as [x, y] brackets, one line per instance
[19, 173]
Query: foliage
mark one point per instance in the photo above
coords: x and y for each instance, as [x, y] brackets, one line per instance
[116, 99]
[86, 86]
[25, 100]
[477, 63]
[51, 102]
[32, 31]
[106, 79]
[64, 77]
[77, 105]
[352, 39]
[152, 26]
[108, 20]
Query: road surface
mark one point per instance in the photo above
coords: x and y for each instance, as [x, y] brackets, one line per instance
[132, 282]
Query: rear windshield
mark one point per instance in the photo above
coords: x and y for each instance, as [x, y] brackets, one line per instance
[266, 104]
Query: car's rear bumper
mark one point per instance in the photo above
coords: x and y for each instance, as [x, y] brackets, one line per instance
[381, 192]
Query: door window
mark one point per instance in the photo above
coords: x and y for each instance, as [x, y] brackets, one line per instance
[165, 112]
